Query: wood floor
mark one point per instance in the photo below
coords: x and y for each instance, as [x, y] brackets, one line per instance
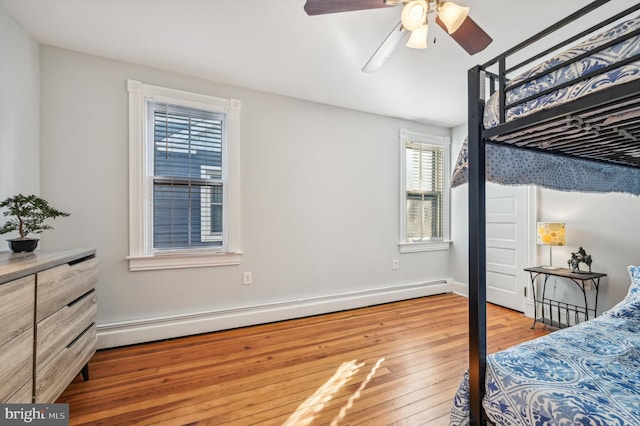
[398, 363]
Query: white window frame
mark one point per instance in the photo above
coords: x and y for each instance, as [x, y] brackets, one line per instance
[205, 206]
[142, 255]
[405, 245]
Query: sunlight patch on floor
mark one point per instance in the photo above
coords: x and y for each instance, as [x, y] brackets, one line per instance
[356, 394]
[306, 411]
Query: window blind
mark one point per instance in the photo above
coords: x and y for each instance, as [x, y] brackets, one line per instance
[424, 182]
[187, 177]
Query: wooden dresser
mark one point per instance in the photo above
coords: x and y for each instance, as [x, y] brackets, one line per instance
[48, 307]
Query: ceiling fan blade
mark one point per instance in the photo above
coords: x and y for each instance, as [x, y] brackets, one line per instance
[470, 36]
[321, 7]
[385, 50]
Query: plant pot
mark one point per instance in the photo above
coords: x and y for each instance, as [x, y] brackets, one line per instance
[19, 245]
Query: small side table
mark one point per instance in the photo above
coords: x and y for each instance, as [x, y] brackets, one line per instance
[565, 310]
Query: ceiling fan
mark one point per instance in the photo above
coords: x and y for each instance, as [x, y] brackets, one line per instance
[454, 19]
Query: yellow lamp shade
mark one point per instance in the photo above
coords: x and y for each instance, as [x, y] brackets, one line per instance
[551, 234]
[414, 14]
[452, 15]
[418, 38]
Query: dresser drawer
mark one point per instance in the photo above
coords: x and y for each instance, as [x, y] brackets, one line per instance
[64, 326]
[24, 395]
[16, 300]
[53, 377]
[61, 285]
[16, 363]
[47, 321]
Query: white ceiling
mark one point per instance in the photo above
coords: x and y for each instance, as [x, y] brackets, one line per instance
[273, 46]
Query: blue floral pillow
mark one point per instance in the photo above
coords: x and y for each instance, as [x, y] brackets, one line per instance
[629, 307]
[634, 273]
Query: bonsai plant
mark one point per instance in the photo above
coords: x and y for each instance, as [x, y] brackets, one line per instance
[29, 214]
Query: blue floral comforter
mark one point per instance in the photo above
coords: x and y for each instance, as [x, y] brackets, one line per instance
[588, 374]
[596, 61]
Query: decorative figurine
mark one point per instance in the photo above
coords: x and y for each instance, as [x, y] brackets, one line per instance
[577, 258]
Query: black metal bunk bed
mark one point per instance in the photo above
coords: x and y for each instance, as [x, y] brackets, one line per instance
[593, 137]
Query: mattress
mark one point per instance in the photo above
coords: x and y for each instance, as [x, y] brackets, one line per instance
[586, 374]
[548, 80]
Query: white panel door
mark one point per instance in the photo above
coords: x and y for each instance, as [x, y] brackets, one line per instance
[507, 224]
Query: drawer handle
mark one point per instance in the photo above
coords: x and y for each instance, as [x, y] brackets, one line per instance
[82, 259]
[73, 302]
[85, 331]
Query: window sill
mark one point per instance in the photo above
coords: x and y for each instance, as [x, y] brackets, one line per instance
[424, 246]
[182, 260]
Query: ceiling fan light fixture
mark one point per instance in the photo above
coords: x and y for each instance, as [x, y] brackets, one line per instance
[452, 15]
[414, 14]
[418, 38]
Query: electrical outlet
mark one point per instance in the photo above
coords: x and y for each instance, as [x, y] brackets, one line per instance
[247, 278]
[394, 264]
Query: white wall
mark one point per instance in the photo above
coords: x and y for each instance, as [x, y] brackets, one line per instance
[320, 193]
[606, 225]
[19, 110]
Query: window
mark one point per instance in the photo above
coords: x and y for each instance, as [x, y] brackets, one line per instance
[425, 192]
[183, 179]
[187, 176]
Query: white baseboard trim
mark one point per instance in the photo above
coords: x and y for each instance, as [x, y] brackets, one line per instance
[147, 330]
[528, 308]
[462, 289]
[458, 288]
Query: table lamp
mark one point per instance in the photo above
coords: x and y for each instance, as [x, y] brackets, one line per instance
[551, 234]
